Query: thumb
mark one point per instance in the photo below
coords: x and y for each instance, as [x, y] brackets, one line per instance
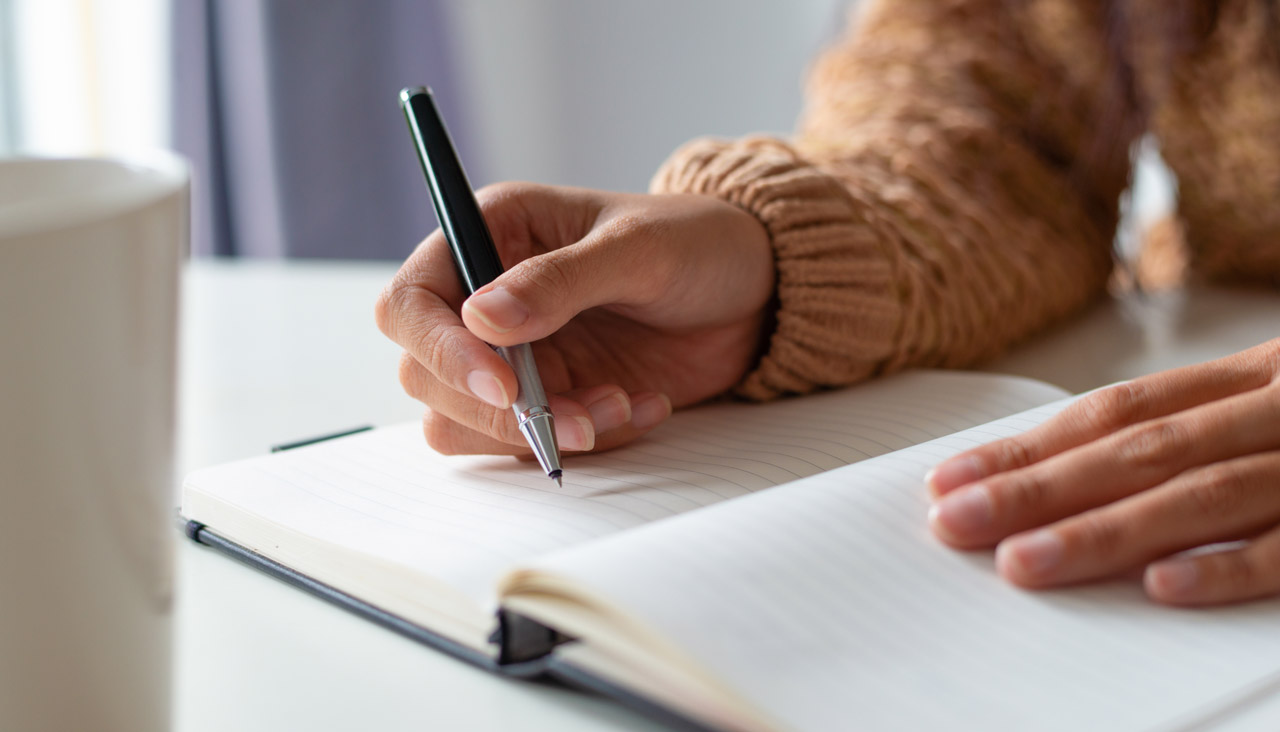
[539, 295]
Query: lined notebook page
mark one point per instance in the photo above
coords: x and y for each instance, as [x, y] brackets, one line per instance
[386, 496]
[827, 604]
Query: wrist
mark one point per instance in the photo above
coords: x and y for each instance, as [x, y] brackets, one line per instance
[837, 313]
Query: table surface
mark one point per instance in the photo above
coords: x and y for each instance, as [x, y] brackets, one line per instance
[273, 352]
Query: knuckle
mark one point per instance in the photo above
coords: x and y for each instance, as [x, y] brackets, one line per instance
[551, 273]
[1020, 494]
[1099, 535]
[1271, 355]
[391, 310]
[432, 349]
[643, 241]
[1273, 361]
[1262, 360]
[440, 433]
[389, 303]
[1154, 444]
[440, 351]
[382, 310]
[1113, 407]
[408, 372]
[1218, 490]
[497, 194]
[640, 237]
[497, 423]
[637, 227]
[1012, 453]
[1236, 571]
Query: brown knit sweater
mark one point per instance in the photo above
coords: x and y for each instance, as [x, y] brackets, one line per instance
[954, 183]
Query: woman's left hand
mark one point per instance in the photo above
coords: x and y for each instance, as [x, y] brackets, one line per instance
[1130, 476]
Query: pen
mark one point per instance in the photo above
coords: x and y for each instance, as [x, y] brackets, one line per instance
[478, 263]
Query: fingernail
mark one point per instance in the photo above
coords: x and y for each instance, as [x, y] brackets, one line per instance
[498, 309]
[610, 412]
[1034, 554]
[487, 388]
[953, 473]
[575, 433]
[650, 410]
[963, 512]
[1176, 578]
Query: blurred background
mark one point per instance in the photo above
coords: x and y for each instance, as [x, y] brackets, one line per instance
[302, 164]
[288, 110]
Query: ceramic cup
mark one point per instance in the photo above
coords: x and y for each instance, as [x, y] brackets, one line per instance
[89, 265]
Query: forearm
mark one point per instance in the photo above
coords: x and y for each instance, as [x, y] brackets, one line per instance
[920, 218]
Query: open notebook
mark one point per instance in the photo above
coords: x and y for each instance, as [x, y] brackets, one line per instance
[743, 567]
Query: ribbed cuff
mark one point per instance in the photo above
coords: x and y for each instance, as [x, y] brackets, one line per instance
[839, 315]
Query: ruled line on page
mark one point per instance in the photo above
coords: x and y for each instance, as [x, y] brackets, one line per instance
[385, 493]
[827, 600]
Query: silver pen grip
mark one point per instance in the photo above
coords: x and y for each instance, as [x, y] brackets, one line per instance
[530, 395]
[533, 414]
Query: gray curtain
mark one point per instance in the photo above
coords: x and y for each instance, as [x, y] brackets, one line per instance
[288, 112]
[10, 135]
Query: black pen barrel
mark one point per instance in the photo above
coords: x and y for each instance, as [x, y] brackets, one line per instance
[464, 227]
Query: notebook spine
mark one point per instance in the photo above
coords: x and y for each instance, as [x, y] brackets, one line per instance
[521, 640]
[201, 534]
[191, 529]
[525, 645]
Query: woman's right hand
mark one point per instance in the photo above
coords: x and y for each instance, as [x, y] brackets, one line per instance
[635, 304]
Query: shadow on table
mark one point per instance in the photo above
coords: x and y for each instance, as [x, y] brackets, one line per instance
[1133, 335]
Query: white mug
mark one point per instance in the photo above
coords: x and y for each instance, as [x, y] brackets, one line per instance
[90, 252]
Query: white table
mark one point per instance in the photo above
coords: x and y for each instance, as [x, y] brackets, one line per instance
[274, 352]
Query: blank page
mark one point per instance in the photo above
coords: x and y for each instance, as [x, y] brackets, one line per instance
[828, 606]
[386, 496]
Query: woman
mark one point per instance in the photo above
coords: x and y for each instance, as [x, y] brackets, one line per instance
[953, 188]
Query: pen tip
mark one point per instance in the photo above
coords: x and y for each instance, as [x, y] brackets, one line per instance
[556, 476]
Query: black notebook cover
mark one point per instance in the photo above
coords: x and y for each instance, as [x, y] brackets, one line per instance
[526, 648]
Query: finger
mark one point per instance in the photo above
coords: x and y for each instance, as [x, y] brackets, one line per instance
[520, 217]
[592, 419]
[1105, 470]
[418, 310]
[574, 429]
[527, 217]
[1219, 502]
[608, 405]
[1103, 412]
[1233, 575]
[435, 337]
[430, 266]
[646, 411]
[537, 296]
[448, 437]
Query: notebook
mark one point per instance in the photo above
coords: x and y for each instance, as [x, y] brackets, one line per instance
[744, 567]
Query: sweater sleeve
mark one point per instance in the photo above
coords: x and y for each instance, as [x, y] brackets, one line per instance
[943, 197]
[1216, 113]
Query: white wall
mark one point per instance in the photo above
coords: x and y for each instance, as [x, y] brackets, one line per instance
[583, 92]
[598, 92]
